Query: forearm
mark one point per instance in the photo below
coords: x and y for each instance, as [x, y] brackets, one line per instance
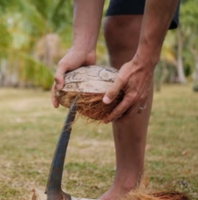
[87, 19]
[156, 21]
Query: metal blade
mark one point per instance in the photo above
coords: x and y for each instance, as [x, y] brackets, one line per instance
[56, 171]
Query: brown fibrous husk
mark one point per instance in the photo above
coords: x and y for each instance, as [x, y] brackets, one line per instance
[143, 193]
[161, 195]
[133, 195]
[89, 104]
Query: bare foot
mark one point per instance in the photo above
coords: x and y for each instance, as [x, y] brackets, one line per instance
[119, 190]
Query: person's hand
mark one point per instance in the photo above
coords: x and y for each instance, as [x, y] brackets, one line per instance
[72, 60]
[135, 79]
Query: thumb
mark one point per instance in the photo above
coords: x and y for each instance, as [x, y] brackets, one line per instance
[113, 92]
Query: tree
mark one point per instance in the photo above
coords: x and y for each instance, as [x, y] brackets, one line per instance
[180, 47]
[40, 34]
[29, 22]
[189, 29]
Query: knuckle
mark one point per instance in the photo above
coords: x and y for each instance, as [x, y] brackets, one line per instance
[136, 99]
[130, 97]
[112, 93]
[57, 78]
[61, 63]
[142, 98]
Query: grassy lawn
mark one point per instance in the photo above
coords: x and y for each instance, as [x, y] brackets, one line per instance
[30, 126]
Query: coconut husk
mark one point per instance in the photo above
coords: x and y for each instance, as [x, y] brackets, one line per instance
[38, 195]
[141, 193]
[89, 104]
[133, 195]
[160, 195]
[173, 195]
[89, 83]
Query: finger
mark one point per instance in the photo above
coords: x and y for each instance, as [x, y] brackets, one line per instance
[120, 109]
[53, 96]
[134, 110]
[113, 91]
[59, 75]
[142, 106]
[130, 113]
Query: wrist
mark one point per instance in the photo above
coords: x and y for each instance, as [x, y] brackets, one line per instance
[144, 62]
[89, 57]
[84, 40]
[150, 55]
[80, 49]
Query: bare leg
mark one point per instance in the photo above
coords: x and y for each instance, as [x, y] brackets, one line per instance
[122, 35]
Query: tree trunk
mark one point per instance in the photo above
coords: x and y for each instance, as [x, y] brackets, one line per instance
[14, 74]
[4, 75]
[180, 68]
[196, 71]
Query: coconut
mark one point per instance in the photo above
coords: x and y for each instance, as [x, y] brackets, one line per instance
[89, 83]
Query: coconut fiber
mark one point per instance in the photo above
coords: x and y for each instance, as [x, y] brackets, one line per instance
[89, 104]
[140, 195]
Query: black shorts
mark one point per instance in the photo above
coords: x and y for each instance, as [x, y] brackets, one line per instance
[135, 7]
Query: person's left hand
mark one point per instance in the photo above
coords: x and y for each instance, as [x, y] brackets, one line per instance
[135, 79]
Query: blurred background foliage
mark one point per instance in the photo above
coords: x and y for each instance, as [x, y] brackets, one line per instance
[35, 35]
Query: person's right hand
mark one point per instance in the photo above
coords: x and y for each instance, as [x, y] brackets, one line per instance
[72, 60]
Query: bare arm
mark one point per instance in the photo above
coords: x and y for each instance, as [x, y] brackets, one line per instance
[135, 77]
[87, 20]
[157, 19]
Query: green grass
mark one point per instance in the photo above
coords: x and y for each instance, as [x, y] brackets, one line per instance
[30, 126]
